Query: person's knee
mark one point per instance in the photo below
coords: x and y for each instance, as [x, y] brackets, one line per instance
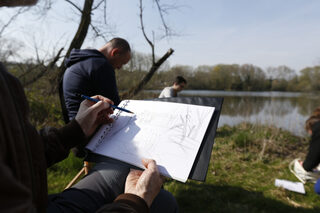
[107, 178]
[164, 202]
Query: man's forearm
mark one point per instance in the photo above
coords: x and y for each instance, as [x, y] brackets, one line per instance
[126, 203]
[58, 142]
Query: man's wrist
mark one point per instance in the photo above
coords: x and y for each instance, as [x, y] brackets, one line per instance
[73, 134]
[133, 200]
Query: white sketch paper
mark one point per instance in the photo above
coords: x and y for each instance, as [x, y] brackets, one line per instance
[170, 133]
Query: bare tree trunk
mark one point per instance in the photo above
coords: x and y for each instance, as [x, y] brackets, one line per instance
[155, 66]
[78, 39]
[76, 43]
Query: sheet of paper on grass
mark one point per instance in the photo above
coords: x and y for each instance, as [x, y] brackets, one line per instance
[289, 185]
[170, 133]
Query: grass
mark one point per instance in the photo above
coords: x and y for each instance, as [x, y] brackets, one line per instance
[245, 161]
[60, 174]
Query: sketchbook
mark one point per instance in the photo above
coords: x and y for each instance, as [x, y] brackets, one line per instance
[170, 133]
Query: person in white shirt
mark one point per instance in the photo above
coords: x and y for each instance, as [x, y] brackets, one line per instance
[178, 85]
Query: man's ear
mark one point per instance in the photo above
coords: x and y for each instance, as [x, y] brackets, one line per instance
[115, 52]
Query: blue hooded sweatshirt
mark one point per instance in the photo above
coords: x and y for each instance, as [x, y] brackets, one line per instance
[89, 73]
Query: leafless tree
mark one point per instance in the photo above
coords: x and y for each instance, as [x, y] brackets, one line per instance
[155, 63]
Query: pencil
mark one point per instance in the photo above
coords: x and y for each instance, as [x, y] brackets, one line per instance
[97, 100]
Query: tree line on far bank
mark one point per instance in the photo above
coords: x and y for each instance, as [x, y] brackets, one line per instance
[229, 77]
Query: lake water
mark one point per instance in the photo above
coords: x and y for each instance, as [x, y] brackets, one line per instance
[286, 110]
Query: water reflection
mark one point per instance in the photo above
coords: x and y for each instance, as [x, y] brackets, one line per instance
[285, 110]
[281, 112]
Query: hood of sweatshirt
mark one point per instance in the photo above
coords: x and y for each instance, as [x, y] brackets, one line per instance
[77, 55]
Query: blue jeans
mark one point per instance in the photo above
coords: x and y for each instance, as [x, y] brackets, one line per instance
[101, 186]
[317, 187]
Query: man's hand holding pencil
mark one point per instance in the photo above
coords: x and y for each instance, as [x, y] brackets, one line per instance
[92, 114]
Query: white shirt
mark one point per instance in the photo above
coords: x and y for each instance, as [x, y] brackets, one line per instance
[167, 92]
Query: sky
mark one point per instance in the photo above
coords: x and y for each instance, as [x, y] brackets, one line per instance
[208, 32]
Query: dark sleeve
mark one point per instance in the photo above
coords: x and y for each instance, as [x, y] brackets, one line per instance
[14, 195]
[126, 203]
[58, 142]
[313, 157]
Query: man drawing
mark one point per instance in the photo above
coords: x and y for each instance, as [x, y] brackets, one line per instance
[92, 71]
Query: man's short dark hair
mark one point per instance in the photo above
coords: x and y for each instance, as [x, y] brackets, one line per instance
[120, 43]
[180, 79]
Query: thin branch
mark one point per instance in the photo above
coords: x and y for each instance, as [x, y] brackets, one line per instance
[105, 12]
[37, 52]
[73, 4]
[41, 10]
[45, 69]
[97, 32]
[28, 68]
[98, 5]
[21, 10]
[155, 66]
[144, 33]
[161, 11]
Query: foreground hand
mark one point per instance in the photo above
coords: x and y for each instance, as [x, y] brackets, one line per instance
[91, 115]
[146, 184]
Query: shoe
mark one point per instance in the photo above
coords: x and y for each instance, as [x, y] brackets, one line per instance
[317, 169]
[296, 168]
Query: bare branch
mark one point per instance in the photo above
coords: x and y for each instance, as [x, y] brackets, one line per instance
[105, 12]
[41, 9]
[98, 5]
[27, 68]
[44, 70]
[37, 52]
[98, 33]
[73, 4]
[161, 11]
[147, 77]
[144, 33]
[155, 65]
[20, 11]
